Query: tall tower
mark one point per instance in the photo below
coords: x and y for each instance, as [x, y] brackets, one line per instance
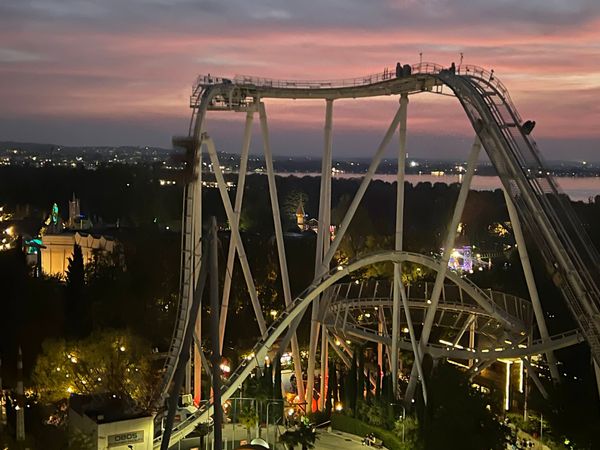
[74, 212]
[300, 216]
[20, 399]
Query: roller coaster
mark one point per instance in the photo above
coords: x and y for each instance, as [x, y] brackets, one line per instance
[486, 325]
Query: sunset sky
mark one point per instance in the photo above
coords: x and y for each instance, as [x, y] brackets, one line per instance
[119, 72]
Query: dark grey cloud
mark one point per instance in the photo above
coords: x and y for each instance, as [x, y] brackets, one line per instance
[543, 15]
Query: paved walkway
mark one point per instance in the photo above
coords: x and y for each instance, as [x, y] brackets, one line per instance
[334, 440]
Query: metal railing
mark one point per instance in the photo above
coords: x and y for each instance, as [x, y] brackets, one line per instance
[425, 68]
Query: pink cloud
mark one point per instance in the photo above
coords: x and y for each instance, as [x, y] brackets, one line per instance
[553, 77]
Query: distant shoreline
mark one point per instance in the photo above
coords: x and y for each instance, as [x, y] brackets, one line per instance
[578, 188]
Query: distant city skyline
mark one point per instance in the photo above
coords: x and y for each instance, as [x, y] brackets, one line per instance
[120, 72]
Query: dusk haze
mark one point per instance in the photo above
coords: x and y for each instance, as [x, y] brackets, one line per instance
[119, 72]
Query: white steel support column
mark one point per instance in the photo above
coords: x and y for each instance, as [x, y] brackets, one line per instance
[507, 365]
[400, 175]
[463, 329]
[239, 195]
[338, 350]
[472, 339]
[533, 375]
[341, 231]
[322, 237]
[197, 210]
[417, 352]
[188, 267]
[235, 231]
[195, 245]
[380, 332]
[531, 286]
[441, 274]
[324, 366]
[285, 281]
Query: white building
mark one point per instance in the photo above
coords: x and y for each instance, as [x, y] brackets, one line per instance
[104, 424]
[59, 248]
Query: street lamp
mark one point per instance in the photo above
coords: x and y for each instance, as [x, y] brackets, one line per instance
[272, 402]
[403, 416]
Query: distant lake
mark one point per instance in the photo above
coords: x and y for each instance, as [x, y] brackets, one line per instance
[577, 188]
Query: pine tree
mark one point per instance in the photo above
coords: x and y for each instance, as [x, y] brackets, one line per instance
[277, 394]
[350, 385]
[78, 313]
[331, 388]
[360, 388]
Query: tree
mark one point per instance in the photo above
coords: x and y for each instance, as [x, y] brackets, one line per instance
[456, 416]
[360, 386]
[289, 439]
[277, 393]
[350, 386]
[571, 410]
[332, 388]
[78, 313]
[304, 435]
[248, 418]
[109, 361]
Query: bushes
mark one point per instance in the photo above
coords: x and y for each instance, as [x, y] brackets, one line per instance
[318, 417]
[354, 426]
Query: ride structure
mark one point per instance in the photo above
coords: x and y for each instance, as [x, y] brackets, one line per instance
[488, 325]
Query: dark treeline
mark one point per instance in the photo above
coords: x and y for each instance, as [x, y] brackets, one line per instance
[142, 293]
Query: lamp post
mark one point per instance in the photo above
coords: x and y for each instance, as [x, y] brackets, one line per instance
[272, 402]
[403, 416]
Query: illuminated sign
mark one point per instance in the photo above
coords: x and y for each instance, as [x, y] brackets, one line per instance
[114, 440]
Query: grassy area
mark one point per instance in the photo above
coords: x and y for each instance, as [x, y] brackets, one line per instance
[359, 428]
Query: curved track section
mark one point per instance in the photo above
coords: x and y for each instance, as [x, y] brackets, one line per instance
[570, 255]
[299, 306]
[369, 305]
[190, 245]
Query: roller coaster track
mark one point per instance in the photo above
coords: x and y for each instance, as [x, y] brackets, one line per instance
[301, 303]
[568, 252]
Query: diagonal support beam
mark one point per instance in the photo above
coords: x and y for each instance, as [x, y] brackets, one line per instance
[463, 330]
[212, 151]
[417, 352]
[285, 281]
[441, 274]
[533, 375]
[239, 195]
[337, 350]
[400, 176]
[530, 280]
[341, 232]
[322, 234]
